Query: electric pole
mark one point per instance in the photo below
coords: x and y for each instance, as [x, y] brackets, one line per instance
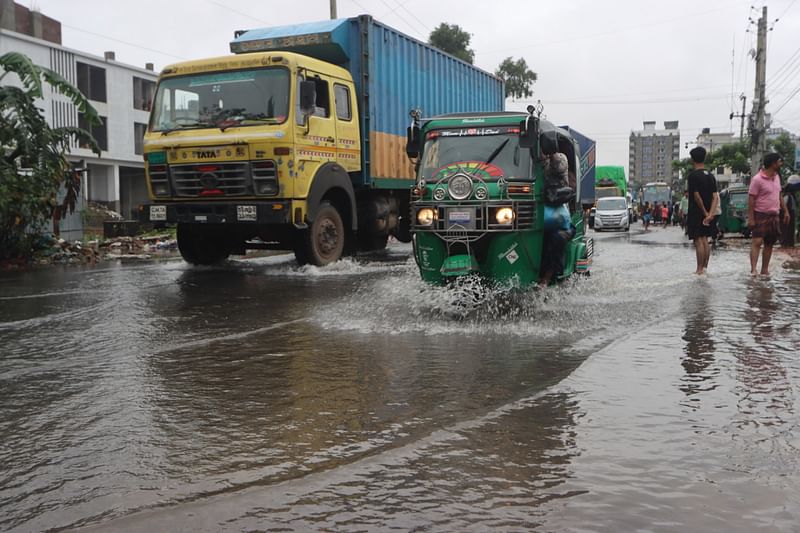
[333, 9]
[758, 137]
[741, 117]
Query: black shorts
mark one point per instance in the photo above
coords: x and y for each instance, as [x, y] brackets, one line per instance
[695, 230]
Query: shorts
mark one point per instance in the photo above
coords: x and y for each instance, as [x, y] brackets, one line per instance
[696, 230]
[766, 226]
[647, 218]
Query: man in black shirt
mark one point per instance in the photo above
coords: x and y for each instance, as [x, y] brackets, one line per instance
[703, 201]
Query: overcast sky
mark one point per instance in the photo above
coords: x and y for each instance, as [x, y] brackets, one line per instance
[604, 66]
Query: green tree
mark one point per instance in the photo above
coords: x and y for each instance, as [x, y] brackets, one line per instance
[784, 145]
[734, 155]
[33, 163]
[518, 77]
[452, 39]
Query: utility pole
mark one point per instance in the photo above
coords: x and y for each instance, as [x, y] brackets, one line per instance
[758, 137]
[333, 9]
[741, 117]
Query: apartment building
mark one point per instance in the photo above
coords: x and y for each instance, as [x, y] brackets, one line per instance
[651, 153]
[120, 93]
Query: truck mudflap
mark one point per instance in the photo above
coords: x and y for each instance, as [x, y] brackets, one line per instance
[241, 212]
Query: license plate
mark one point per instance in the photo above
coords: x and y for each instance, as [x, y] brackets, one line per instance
[158, 212]
[246, 212]
[459, 217]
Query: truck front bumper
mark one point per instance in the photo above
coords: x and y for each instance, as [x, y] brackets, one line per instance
[242, 212]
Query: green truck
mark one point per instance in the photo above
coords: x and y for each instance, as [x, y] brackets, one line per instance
[610, 181]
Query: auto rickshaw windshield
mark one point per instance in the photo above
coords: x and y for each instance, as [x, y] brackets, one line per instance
[490, 156]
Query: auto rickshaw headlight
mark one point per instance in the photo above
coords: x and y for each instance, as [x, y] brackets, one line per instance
[426, 216]
[504, 215]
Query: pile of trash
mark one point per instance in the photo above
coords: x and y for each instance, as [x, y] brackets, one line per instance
[51, 250]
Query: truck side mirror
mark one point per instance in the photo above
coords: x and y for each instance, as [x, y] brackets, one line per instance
[412, 143]
[528, 132]
[308, 97]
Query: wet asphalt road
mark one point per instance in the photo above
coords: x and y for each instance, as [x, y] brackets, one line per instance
[259, 396]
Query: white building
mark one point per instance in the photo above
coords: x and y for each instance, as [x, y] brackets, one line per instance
[120, 93]
[713, 141]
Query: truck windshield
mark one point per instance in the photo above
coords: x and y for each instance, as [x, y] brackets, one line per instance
[489, 156]
[222, 100]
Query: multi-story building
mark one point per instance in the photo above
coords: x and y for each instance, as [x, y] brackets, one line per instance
[120, 93]
[652, 152]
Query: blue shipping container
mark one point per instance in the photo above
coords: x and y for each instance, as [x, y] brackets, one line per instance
[393, 74]
[587, 148]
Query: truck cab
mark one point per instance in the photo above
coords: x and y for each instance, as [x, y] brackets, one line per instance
[231, 139]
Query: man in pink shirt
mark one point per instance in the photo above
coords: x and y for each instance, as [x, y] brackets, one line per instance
[763, 211]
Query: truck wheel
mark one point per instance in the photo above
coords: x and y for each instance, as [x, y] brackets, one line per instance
[201, 245]
[323, 242]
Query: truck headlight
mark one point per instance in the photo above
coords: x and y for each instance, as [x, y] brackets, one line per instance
[426, 216]
[160, 189]
[504, 215]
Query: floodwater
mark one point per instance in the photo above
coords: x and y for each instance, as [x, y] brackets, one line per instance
[260, 396]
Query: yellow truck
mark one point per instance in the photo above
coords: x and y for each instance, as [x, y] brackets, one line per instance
[297, 142]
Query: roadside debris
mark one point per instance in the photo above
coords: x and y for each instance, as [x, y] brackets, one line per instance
[59, 251]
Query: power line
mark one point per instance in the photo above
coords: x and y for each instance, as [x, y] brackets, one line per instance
[121, 41]
[785, 67]
[410, 25]
[788, 99]
[403, 6]
[630, 102]
[682, 18]
[228, 8]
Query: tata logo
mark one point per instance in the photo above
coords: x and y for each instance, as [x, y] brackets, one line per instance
[205, 154]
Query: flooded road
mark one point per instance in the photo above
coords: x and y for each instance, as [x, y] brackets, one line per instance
[260, 396]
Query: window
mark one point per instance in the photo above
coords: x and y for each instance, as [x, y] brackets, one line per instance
[143, 93]
[240, 98]
[98, 131]
[322, 105]
[138, 137]
[323, 99]
[342, 96]
[720, 170]
[92, 82]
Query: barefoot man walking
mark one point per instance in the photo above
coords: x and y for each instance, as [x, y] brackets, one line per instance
[764, 207]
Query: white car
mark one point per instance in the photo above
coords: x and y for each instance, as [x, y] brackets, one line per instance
[612, 213]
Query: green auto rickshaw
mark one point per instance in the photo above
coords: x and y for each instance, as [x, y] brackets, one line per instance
[733, 202]
[480, 205]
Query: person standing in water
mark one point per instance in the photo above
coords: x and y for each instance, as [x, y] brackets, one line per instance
[703, 201]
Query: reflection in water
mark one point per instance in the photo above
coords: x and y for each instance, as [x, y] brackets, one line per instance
[698, 337]
[766, 394]
[263, 396]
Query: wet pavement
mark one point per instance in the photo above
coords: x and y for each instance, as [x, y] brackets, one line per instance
[259, 396]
